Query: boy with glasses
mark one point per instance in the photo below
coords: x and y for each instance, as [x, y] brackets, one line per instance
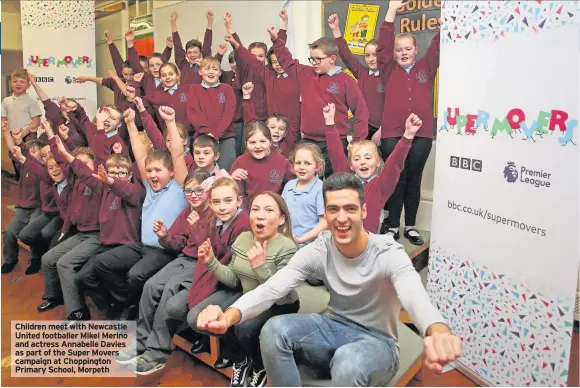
[320, 84]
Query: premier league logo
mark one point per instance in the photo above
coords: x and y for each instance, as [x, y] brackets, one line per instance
[333, 88]
[510, 172]
[421, 78]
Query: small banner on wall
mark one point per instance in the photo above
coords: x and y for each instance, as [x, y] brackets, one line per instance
[58, 45]
[504, 248]
[361, 23]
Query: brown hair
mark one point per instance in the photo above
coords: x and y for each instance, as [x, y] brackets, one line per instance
[145, 139]
[258, 126]
[174, 67]
[208, 61]
[180, 129]
[114, 107]
[204, 140]
[19, 73]
[286, 227]
[261, 45]
[407, 35]
[372, 42]
[119, 160]
[163, 155]
[226, 182]
[355, 145]
[279, 117]
[196, 176]
[83, 151]
[193, 43]
[35, 143]
[314, 150]
[232, 57]
[156, 55]
[327, 45]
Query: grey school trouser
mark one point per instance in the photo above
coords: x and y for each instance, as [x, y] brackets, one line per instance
[61, 264]
[227, 153]
[163, 308]
[19, 222]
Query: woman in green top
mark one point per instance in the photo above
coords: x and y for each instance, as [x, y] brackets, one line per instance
[256, 256]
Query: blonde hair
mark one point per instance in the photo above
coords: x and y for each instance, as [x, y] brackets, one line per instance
[314, 150]
[160, 155]
[120, 161]
[325, 44]
[208, 61]
[180, 129]
[407, 35]
[83, 151]
[226, 182]
[145, 140]
[19, 73]
[356, 145]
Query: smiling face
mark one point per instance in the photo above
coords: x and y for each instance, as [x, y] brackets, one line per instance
[120, 173]
[371, 56]
[275, 64]
[19, 85]
[192, 54]
[344, 215]
[54, 170]
[196, 196]
[45, 153]
[204, 158]
[259, 53]
[405, 51]
[305, 166]
[224, 203]
[258, 145]
[169, 77]
[364, 160]
[210, 73]
[114, 121]
[158, 175]
[127, 73]
[87, 160]
[265, 218]
[144, 65]
[35, 152]
[277, 129]
[154, 66]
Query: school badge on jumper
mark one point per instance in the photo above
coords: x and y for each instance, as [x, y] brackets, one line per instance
[421, 78]
[380, 88]
[275, 176]
[333, 88]
[222, 98]
[88, 192]
[182, 97]
[114, 204]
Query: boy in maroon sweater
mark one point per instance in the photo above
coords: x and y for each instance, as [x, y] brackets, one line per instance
[188, 59]
[409, 88]
[320, 84]
[210, 109]
[370, 78]
[234, 79]
[27, 200]
[122, 68]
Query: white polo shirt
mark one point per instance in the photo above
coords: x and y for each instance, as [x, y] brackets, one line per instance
[20, 110]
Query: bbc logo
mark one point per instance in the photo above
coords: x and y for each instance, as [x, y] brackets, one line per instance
[44, 79]
[466, 163]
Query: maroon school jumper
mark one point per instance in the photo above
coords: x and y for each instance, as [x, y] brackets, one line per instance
[28, 190]
[120, 209]
[378, 189]
[177, 101]
[117, 59]
[54, 116]
[148, 85]
[211, 110]
[371, 83]
[190, 71]
[100, 142]
[410, 92]
[286, 145]
[319, 90]
[204, 282]
[157, 139]
[62, 199]
[270, 173]
[181, 237]
[233, 79]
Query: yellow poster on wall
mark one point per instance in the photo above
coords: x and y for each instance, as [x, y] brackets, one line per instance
[361, 23]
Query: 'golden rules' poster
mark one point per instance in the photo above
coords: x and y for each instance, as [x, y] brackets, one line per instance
[360, 26]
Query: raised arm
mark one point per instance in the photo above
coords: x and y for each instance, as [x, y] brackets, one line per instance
[150, 127]
[283, 32]
[132, 54]
[115, 55]
[175, 144]
[166, 54]
[248, 110]
[136, 144]
[284, 57]
[356, 103]
[247, 62]
[208, 36]
[387, 38]
[432, 55]
[338, 159]
[89, 78]
[350, 60]
[178, 45]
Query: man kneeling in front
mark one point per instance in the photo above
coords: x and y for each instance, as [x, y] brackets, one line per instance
[367, 275]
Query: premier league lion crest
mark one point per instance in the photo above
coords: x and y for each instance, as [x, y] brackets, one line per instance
[510, 172]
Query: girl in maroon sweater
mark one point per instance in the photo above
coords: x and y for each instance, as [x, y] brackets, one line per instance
[364, 161]
[409, 89]
[260, 169]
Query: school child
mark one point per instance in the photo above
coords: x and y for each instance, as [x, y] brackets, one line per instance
[256, 256]
[28, 196]
[371, 79]
[321, 83]
[284, 135]
[304, 194]
[20, 110]
[210, 108]
[119, 216]
[206, 153]
[122, 68]
[364, 161]
[233, 78]
[161, 141]
[124, 270]
[259, 168]
[282, 92]
[188, 59]
[409, 88]
[151, 79]
[58, 113]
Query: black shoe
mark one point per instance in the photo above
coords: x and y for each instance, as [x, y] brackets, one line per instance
[393, 233]
[258, 378]
[33, 267]
[129, 314]
[384, 227]
[240, 372]
[415, 240]
[7, 267]
[80, 315]
[200, 346]
[223, 363]
[49, 304]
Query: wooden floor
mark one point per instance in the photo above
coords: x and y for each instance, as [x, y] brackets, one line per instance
[21, 294]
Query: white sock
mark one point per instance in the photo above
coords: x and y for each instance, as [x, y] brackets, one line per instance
[412, 233]
[394, 230]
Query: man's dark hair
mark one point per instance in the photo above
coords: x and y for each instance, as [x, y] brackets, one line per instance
[342, 181]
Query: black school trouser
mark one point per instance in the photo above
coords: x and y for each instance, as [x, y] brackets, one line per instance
[408, 189]
[39, 233]
[323, 145]
[119, 274]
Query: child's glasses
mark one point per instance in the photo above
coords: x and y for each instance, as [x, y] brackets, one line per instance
[118, 174]
[317, 61]
[198, 192]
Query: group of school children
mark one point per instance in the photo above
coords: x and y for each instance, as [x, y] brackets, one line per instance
[198, 184]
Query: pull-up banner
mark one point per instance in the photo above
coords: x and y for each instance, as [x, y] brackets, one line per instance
[58, 45]
[504, 248]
